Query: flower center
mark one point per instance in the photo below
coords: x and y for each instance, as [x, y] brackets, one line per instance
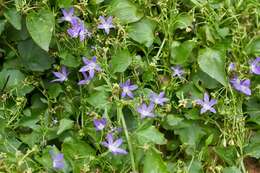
[145, 112]
[100, 126]
[206, 106]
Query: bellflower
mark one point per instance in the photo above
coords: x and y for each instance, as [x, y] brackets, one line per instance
[61, 75]
[90, 66]
[100, 124]
[106, 24]
[57, 160]
[86, 79]
[177, 71]
[206, 104]
[67, 15]
[232, 66]
[241, 85]
[255, 66]
[146, 111]
[158, 98]
[113, 146]
[78, 29]
[127, 89]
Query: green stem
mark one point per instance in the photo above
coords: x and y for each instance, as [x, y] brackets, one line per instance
[121, 116]
[160, 50]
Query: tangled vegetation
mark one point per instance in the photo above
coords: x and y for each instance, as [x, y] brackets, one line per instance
[141, 86]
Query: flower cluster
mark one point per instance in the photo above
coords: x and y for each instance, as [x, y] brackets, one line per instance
[155, 99]
[243, 86]
[78, 28]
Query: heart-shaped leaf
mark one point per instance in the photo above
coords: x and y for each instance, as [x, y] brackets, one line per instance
[40, 26]
[212, 62]
[142, 32]
[126, 11]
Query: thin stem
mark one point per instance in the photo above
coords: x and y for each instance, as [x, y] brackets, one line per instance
[121, 116]
[160, 50]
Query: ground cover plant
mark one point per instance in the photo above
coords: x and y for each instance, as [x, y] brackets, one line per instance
[141, 86]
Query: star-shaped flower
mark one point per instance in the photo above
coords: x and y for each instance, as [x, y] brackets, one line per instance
[67, 15]
[106, 24]
[90, 66]
[241, 85]
[206, 104]
[86, 79]
[255, 66]
[177, 71]
[78, 29]
[57, 160]
[127, 89]
[100, 124]
[61, 75]
[113, 146]
[158, 98]
[146, 111]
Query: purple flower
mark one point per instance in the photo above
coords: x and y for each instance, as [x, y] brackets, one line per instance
[206, 104]
[255, 66]
[127, 89]
[61, 76]
[232, 66]
[177, 71]
[57, 160]
[113, 146]
[158, 98]
[146, 111]
[106, 24]
[241, 85]
[100, 124]
[78, 29]
[86, 79]
[90, 66]
[67, 15]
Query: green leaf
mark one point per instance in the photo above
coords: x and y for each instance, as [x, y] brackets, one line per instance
[40, 26]
[173, 120]
[142, 31]
[54, 90]
[65, 124]
[212, 62]
[228, 154]
[180, 52]
[69, 60]
[253, 150]
[15, 78]
[195, 167]
[231, 170]
[252, 107]
[125, 10]
[183, 21]
[151, 134]
[2, 26]
[98, 99]
[75, 148]
[33, 57]
[201, 78]
[153, 163]
[253, 47]
[14, 18]
[121, 60]
[194, 131]
[64, 3]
